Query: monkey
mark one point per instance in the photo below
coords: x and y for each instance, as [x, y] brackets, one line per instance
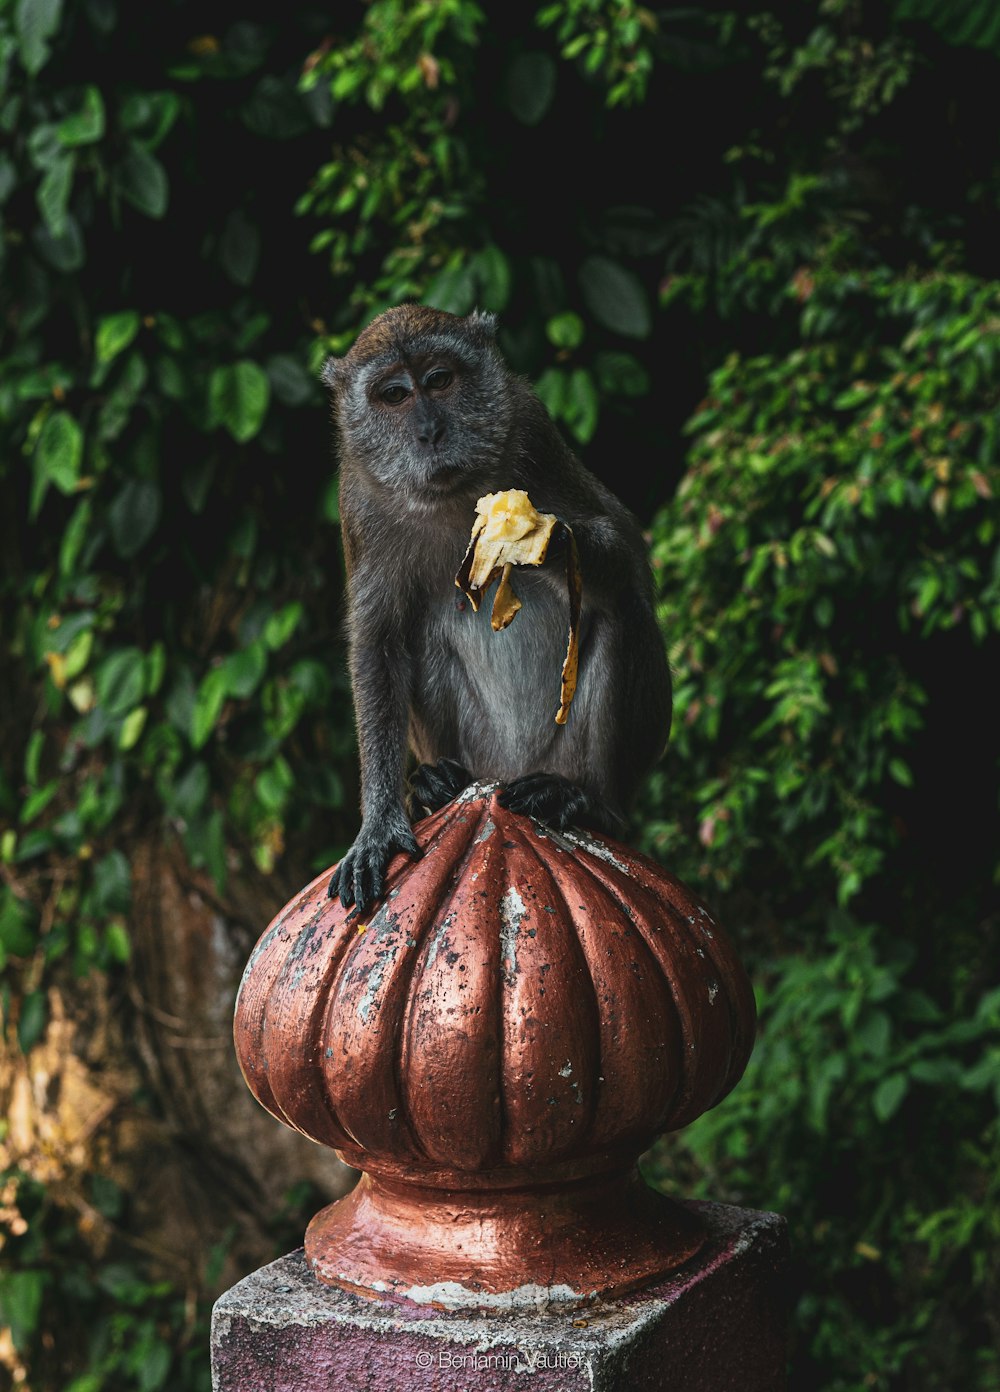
[429, 417]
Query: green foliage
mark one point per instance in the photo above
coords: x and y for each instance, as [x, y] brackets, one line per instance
[976, 22]
[161, 675]
[141, 1333]
[846, 479]
[883, 1140]
[610, 41]
[829, 577]
[408, 209]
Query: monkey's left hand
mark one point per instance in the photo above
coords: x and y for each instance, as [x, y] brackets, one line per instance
[558, 542]
[558, 802]
[359, 879]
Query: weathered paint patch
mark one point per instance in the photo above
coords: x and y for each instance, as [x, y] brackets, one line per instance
[512, 914]
[586, 842]
[450, 1295]
[438, 939]
[475, 791]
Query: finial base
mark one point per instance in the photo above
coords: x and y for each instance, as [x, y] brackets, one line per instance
[509, 1248]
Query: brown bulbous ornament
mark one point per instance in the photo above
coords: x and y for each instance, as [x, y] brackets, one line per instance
[525, 1012]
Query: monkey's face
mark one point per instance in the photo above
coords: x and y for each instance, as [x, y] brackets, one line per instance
[423, 402]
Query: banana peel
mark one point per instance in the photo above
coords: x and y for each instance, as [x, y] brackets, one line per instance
[509, 531]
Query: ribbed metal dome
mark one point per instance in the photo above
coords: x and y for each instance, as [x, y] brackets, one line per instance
[521, 1000]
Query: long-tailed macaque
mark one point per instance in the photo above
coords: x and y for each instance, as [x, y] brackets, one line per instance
[429, 418]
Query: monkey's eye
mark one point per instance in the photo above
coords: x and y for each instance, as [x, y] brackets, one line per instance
[393, 394]
[438, 379]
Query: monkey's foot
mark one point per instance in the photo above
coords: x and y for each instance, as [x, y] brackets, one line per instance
[433, 786]
[559, 803]
[359, 879]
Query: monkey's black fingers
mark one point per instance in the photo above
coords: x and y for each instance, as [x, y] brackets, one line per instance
[342, 881]
[559, 803]
[433, 786]
[361, 876]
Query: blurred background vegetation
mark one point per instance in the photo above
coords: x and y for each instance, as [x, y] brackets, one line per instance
[749, 258]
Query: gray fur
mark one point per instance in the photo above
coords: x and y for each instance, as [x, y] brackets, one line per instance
[425, 668]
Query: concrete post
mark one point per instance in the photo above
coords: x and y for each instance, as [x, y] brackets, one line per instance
[716, 1325]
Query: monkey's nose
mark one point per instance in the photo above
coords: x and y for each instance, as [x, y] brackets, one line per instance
[431, 434]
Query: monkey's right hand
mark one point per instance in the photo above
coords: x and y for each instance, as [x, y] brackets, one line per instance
[359, 879]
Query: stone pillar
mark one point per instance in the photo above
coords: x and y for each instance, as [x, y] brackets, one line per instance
[494, 1048]
[716, 1325]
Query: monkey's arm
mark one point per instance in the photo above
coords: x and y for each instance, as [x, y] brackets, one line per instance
[612, 558]
[381, 677]
[625, 690]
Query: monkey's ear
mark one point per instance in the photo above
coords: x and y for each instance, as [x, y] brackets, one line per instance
[330, 372]
[485, 322]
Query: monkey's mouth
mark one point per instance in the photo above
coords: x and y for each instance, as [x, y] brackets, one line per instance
[446, 478]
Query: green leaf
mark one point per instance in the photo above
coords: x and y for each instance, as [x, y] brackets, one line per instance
[244, 670]
[620, 374]
[86, 1382]
[142, 180]
[615, 297]
[65, 253]
[59, 451]
[290, 382]
[113, 883]
[453, 290]
[491, 271]
[37, 802]
[280, 626]
[36, 22]
[196, 481]
[114, 334]
[117, 941]
[62, 637]
[874, 1032]
[74, 537]
[155, 1367]
[531, 85]
[132, 728]
[889, 1095]
[190, 793]
[32, 1020]
[156, 666]
[208, 706]
[582, 407]
[78, 654]
[565, 330]
[33, 756]
[274, 784]
[238, 397]
[134, 515]
[330, 504]
[8, 178]
[20, 1304]
[17, 936]
[936, 1071]
[86, 125]
[552, 388]
[119, 681]
[53, 194]
[900, 771]
[239, 248]
[149, 116]
[212, 846]
[243, 537]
